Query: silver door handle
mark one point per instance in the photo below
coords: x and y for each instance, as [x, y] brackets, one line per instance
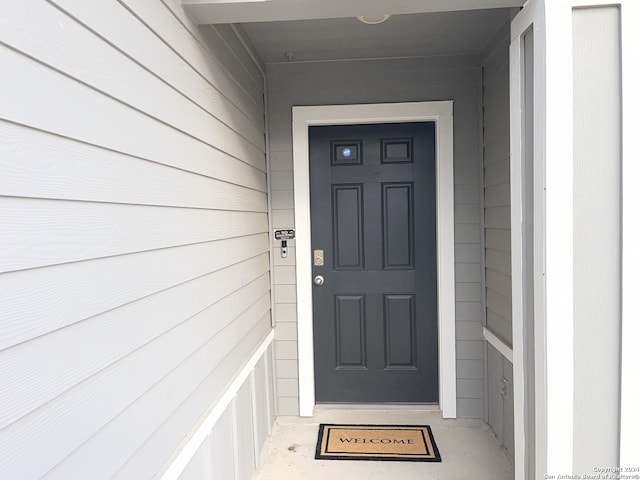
[318, 280]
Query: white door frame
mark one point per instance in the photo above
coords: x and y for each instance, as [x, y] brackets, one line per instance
[442, 114]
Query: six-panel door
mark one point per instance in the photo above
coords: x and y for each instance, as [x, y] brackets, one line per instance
[373, 216]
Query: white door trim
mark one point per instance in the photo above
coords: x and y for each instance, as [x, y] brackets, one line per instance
[442, 114]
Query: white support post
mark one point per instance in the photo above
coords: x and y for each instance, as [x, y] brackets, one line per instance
[630, 361]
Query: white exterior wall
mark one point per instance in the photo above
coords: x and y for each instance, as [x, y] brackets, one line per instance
[134, 253]
[597, 163]
[497, 225]
[355, 82]
[586, 208]
[229, 444]
[497, 235]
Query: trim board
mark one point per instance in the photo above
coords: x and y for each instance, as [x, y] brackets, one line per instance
[442, 114]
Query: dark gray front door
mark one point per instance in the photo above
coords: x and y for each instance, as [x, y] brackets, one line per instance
[373, 217]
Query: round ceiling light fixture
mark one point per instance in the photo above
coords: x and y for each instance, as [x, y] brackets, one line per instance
[373, 19]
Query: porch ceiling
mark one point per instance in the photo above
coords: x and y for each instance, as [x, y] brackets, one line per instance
[241, 11]
[407, 35]
[320, 30]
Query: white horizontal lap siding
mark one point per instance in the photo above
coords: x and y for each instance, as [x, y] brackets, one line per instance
[134, 252]
[497, 237]
[30, 159]
[39, 301]
[51, 368]
[40, 232]
[196, 469]
[80, 54]
[406, 80]
[496, 187]
[225, 44]
[180, 56]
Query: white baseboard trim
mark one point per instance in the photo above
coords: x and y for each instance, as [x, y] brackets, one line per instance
[184, 456]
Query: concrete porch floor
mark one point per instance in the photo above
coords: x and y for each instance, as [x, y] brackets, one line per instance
[468, 449]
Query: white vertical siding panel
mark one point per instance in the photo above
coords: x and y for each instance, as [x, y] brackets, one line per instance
[198, 468]
[508, 433]
[164, 440]
[223, 453]
[495, 401]
[260, 405]
[271, 380]
[245, 433]
[500, 414]
[254, 362]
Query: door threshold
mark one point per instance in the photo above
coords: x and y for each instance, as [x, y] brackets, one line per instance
[432, 407]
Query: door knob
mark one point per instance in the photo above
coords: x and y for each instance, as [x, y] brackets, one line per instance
[318, 280]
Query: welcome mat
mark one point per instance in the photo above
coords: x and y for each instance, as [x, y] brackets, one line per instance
[408, 443]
